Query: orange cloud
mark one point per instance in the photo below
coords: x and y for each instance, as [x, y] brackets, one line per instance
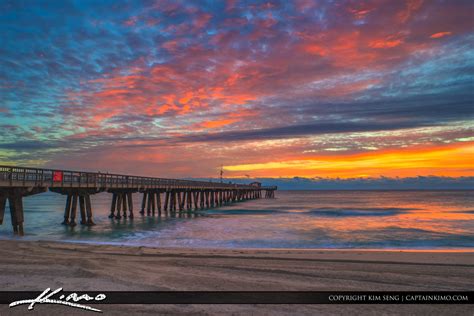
[440, 34]
[315, 49]
[226, 119]
[218, 123]
[385, 43]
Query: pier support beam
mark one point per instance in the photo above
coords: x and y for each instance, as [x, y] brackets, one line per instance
[124, 204]
[196, 196]
[149, 203]
[158, 202]
[172, 205]
[113, 206]
[206, 193]
[3, 203]
[82, 207]
[119, 206]
[90, 221]
[130, 204]
[173, 202]
[67, 210]
[180, 201]
[269, 194]
[152, 202]
[73, 198]
[167, 200]
[189, 200]
[72, 221]
[16, 212]
[201, 204]
[14, 196]
[122, 201]
[211, 198]
[142, 211]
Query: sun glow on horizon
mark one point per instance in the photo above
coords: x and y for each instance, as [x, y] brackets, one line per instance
[450, 160]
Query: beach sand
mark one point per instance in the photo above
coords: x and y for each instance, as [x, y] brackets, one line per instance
[36, 265]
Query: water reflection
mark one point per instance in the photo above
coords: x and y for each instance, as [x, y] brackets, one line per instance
[297, 219]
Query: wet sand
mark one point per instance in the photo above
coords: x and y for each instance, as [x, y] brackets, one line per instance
[27, 265]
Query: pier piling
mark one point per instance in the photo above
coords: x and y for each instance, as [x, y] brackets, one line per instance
[82, 207]
[113, 205]
[3, 203]
[143, 203]
[124, 205]
[72, 221]
[130, 204]
[67, 210]
[119, 206]
[90, 221]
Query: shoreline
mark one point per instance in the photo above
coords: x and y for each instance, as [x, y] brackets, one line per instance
[117, 244]
[36, 265]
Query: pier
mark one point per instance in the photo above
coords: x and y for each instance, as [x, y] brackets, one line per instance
[159, 196]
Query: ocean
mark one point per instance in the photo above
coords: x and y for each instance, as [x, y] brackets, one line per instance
[294, 219]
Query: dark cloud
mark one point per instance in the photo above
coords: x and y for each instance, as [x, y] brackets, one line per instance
[317, 128]
[27, 145]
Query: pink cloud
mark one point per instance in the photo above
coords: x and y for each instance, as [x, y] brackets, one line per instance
[201, 20]
[131, 21]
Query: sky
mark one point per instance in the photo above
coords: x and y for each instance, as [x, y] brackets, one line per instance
[270, 89]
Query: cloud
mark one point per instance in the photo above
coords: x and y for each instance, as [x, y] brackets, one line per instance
[301, 78]
[440, 34]
[27, 145]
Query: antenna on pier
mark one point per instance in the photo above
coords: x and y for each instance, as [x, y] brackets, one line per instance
[222, 172]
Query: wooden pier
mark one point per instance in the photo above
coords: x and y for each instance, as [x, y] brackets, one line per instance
[160, 196]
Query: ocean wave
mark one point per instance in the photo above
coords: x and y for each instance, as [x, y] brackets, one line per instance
[346, 212]
[395, 236]
[241, 212]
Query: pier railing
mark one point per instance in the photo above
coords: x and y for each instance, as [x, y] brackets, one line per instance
[20, 176]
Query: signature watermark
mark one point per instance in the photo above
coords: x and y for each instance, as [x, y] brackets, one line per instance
[47, 297]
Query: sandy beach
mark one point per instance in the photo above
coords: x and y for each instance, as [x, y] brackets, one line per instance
[27, 265]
